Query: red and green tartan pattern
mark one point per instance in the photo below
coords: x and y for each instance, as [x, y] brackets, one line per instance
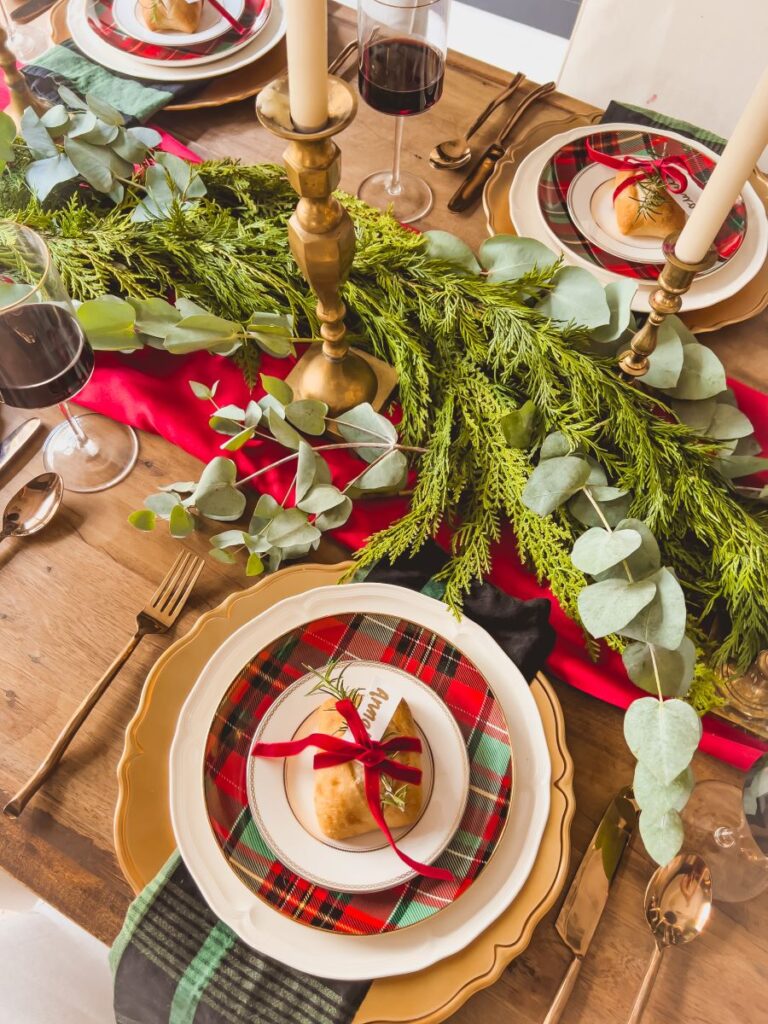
[101, 19]
[439, 665]
[570, 159]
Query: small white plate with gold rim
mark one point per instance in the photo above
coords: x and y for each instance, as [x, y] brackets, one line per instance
[281, 790]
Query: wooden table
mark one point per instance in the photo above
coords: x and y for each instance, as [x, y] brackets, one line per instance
[68, 600]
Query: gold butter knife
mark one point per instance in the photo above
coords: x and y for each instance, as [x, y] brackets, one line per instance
[584, 905]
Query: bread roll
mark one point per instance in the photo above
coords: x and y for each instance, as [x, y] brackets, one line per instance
[657, 220]
[171, 15]
[340, 803]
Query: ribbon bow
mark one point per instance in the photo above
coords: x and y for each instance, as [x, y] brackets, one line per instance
[672, 170]
[373, 755]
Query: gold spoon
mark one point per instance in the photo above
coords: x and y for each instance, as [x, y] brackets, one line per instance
[33, 507]
[678, 902]
[455, 153]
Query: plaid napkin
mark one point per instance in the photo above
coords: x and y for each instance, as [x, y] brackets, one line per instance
[175, 962]
[617, 111]
[137, 99]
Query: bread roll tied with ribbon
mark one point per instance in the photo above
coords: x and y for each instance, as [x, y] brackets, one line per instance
[645, 207]
[171, 15]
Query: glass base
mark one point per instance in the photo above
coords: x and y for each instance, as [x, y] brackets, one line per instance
[716, 829]
[412, 200]
[106, 457]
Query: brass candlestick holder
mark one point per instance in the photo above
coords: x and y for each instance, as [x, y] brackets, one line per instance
[675, 279]
[21, 95]
[322, 239]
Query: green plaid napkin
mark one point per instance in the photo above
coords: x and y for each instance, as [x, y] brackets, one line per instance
[137, 99]
[617, 111]
[175, 962]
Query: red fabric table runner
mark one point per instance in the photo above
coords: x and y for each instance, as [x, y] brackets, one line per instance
[149, 390]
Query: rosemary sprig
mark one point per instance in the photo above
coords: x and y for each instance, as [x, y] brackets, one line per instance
[334, 686]
[651, 195]
[391, 797]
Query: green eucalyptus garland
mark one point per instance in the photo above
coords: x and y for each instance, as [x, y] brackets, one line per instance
[510, 396]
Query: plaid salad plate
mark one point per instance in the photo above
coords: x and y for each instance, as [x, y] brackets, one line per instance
[392, 641]
[562, 171]
[100, 15]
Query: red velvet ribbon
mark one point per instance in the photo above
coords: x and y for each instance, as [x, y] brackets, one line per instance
[373, 755]
[673, 170]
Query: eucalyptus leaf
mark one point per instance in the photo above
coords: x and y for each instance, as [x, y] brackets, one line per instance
[447, 248]
[654, 797]
[675, 667]
[154, 316]
[56, 119]
[322, 470]
[553, 481]
[646, 559]
[215, 495]
[163, 503]
[665, 363]
[273, 332]
[291, 526]
[181, 522]
[88, 128]
[662, 836]
[44, 175]
[606, 607]
[70, 98]
[282, 431]
[254, 566]
[306, 469]
[181, 486]
[577, 297]
[236, 442]
[736, 466]
[728, 423]
[320, 499]
[265, 511]
[109, 324]
[277, 388]
[134, 144]
[336, 516]
[618, 295]
[663, 735]
[35, 134]
[253, 414]
[221, 555]
[508, 257]
[362, 424]
[229, 539]
[748, 446]
[203, 332]
[103, 110]
[702, 375]
[7, 139]
[696, 414]
[613, 502]
[390, 474]
[517, 425]
[90, 163]
[308, 415]
[662, 622]
[143, 519]
[555, 445]
[599, 549]
[201, 390]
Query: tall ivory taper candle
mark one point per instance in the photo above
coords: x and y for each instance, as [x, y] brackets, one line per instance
[749, 139]
[307, 43]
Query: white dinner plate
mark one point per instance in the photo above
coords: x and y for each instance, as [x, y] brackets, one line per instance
[358, 957]
[97, 50]
[212, 25]
[281, 791]
[705, 291]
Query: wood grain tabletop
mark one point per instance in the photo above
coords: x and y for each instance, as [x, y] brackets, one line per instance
[68, 599]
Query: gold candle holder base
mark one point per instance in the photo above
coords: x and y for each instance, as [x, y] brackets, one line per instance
[322, 239]
[674, 281]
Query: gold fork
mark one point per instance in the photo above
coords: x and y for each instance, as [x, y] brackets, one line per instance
[157, 616]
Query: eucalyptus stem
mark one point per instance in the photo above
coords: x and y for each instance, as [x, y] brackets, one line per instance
[329, 448]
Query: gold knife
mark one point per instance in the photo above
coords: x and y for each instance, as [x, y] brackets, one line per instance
[584, 905]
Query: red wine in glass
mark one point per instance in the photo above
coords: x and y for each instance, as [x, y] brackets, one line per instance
[401, 76]
[46, 358]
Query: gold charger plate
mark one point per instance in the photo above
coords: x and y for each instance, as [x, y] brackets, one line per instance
[144, 836]
[746, 303]
[214, 92]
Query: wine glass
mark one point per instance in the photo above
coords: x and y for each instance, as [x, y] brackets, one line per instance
[23, 45]
[728, 827]
[402, 47]
[45, 359]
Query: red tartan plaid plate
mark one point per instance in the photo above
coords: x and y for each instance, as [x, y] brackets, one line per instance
[411, 648]
[101, 18]
[568, 164]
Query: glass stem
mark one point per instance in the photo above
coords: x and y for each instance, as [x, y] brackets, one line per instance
[74, 426]
[395, 188]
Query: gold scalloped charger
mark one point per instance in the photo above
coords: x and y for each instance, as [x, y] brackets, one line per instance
[144, 837]
[746, 303]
